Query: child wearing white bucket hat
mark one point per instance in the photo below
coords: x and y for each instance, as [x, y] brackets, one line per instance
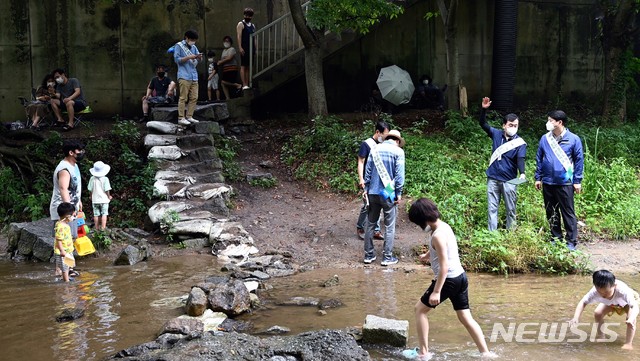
[100, 189]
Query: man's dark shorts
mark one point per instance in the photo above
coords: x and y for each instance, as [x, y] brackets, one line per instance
[455, 289]
[78, 106]
[157, 100]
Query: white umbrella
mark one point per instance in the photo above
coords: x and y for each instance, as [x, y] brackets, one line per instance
[395, 85]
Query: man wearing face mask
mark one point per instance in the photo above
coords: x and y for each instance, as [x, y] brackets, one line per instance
[164, 89]
[244, 29]
[187, 56]
[507, 158]
[67, 185]
[559, 166]
[429, 96]
[68, 96]
[382, 129]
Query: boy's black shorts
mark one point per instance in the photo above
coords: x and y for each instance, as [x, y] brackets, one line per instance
[455, 289]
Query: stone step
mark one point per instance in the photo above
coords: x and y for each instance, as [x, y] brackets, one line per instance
[188, 141]
[187, 190]
[203, 112]
[166, 152]
[195, 208]
[194, 141]
[189, 177]
[165, 127]
[174, 152]
[152, 140]
[185, 165]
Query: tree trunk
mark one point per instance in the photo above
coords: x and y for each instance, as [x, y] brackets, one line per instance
[313, 56]
[451, 49]
[316, 95]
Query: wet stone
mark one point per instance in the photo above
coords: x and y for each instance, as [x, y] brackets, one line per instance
[329, 303]
[69, 314]
[333, 281]
[301, 301]
[276, 330]
[260, 275]
[184, 326]
[378, 330]
[197, 302]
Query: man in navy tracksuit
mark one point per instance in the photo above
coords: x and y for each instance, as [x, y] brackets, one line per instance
[559, 166]
[507, 158]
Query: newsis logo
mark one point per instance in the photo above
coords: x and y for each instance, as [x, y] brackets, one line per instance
[553, 332]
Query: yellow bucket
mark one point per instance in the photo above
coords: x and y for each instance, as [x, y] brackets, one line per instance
[84, 246]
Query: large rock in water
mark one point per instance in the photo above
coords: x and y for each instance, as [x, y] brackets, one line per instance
[324, 345]
[231, 298]
[385, 331]
[131, 255]
[32, 239]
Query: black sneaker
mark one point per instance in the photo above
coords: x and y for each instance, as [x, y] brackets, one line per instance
[388, 261]
[370, 259]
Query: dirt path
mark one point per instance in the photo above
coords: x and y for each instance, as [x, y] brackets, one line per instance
[318, 227]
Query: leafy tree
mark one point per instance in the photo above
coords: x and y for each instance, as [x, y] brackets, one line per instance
[335, 16]
[619, 29]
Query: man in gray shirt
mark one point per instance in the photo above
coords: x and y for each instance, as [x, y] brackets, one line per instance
[68, 96]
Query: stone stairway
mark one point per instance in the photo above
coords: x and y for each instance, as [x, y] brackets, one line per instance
[190, 179]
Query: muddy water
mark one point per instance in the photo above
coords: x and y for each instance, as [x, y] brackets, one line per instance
[128, 305]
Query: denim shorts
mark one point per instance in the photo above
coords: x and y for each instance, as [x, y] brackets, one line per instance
[100, 209]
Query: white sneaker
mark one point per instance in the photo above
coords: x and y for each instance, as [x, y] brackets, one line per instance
[183, 121]
[193, 121]
[245, 87]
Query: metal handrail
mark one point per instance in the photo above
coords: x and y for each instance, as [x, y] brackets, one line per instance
[276, 42]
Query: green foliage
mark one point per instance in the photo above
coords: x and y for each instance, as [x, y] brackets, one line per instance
[324, 154]
[101, 240]
[227, 148]
[127, 132]
[168, 220]
[359, 15]
[518, 251]
[264, 182]
[449, 167]
[131, 176]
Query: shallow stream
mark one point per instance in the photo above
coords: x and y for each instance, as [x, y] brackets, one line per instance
[128, 305]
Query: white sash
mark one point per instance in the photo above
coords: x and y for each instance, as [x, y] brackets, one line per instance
[510, 145]
[372, 143]
[187, 52]
[560, 154]
[389, 187]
